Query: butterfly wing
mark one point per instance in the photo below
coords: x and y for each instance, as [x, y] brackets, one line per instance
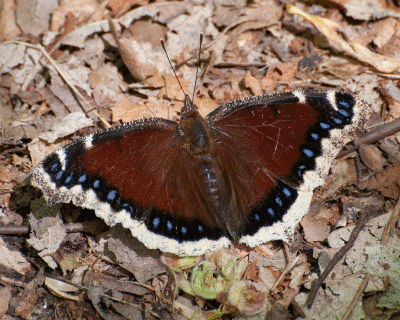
[137, 175]
[276, 149]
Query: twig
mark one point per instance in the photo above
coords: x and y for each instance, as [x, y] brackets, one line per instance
[387, 129]
[13, 282]
[22, 230]
[315, 244]
[297, 309]
[130, 304]
[285, 271]
[356, 297]
[336, 258]
[391, 223]
[13, 230]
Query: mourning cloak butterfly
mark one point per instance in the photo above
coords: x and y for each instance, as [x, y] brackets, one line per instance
[244, 174]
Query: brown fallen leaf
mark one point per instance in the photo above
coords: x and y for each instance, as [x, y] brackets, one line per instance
[367, 10]
[385, 181]
[252, 83]
[315, 229]
[8, 26]
[372, 157]
[284, 72]
[334, 33]
[119, 7]
[172, 90]
[134, 54]
[83, 10]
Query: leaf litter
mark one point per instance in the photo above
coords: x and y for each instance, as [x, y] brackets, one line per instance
[101, 79]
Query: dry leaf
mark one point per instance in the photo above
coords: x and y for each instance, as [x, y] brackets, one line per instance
[66, 126]
[33, 16]
[315, 229]
[372, 157]
[391, 147]
[118, 7]
[5, 299]
[8, 26]
[13, 259]
[106, 82]
[46, 237]
[83, 10]
[134, 54]
[172, 90]
[61, 289]
[385, 181]
[133, 256]
[253, 84]
[128, 111]
[367, 9]
[332, 31]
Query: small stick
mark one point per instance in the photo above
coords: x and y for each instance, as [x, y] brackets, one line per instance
[387, 129]
[336, 258]
[356, 297]
[22, 230]
[297, 309]
[285, 271]
[391, 223]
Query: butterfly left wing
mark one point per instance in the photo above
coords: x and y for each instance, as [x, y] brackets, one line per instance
[277, 149]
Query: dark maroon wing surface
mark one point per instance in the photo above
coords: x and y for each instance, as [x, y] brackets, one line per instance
[137, 175]
[276, 150]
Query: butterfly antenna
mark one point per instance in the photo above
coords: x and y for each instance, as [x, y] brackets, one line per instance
[166, 53]
[198, 64]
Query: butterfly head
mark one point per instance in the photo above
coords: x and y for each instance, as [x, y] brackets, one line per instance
[194, 130]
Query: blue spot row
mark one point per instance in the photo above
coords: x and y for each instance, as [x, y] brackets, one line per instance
[330, 117]
[86, 181]
[156, 222]
[271, 212]
[272, 208]
[301, 170]
[128, 207]
[59, 174]
[69, 179]
[283, 198]
[337, 121]
[171, 226]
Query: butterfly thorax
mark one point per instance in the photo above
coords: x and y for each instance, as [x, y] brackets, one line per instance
[198, 143]
[197, 139]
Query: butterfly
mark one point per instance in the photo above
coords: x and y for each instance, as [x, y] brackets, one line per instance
[243, 174]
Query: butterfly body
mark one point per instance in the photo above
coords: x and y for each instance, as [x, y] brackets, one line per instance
[244, 174]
